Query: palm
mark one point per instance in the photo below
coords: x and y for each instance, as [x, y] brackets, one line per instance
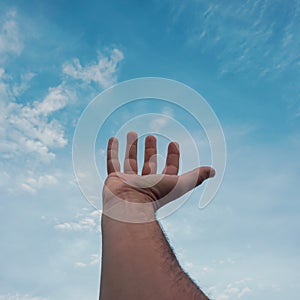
[152, 187]
[149, 186]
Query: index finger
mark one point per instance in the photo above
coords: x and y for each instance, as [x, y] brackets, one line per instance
[113, 164]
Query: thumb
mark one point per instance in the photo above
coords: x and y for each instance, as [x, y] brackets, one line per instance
[185, 183]
[198, 175]
[193, 178]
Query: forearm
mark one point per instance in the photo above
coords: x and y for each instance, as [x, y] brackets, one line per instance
[138, 263]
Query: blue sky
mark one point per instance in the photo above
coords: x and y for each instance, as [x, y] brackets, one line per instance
[243, 57]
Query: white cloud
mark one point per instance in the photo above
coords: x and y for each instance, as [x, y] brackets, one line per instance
[247, 38]
[33, 129]
[57, 98]
[11, 41]
[30, 128]
[234, 290]
[4, 177]
[23, 85]
[96, 213]
[158, 123]
[222, 297]
[188, 265]
[80, 265]
[32, 184]
[84, 222]
[5, 90]
[15, 182]
[20, 297]
[102, 72]
[26, 187]
[94, 260]
[244, 291]
[11, 87]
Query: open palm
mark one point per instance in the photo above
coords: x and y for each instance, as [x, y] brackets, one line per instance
[149, 186]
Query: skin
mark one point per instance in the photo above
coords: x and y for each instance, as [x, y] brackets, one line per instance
[137, 260]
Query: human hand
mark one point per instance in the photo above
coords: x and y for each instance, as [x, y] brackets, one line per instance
[149, 187]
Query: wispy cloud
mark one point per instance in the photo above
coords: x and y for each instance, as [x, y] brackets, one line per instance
[32, 184]
[102, 72]
[20, 297]
[260, 37]
[33, 127]
[30, 128]
[19, 87]
[256, 42]
[11, 41]
[159, 122]
[235, 290]
[31, 181]
[94, 260]
[83, 222]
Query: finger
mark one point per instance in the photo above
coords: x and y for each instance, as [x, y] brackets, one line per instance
[150, 160]
[172, 161]
[191, 179]
[130, 162]
[113, 164]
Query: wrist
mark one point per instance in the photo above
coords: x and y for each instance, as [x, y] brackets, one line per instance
[133, 211]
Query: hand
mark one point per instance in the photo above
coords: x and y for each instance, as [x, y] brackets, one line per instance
[149, 187]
